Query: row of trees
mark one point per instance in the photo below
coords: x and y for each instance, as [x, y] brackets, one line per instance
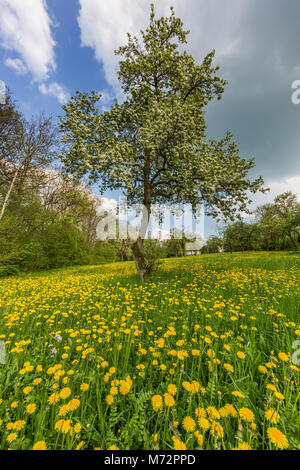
[276, 227]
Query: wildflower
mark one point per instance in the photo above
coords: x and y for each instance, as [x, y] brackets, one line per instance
[64, 409]
[109, 400]
[77, 428]
[243, 446]
[73, 404]
[84, 387]
[178, 444]
[217, 429]
[246, 415]
[30, 409]
[80, 445]
[229, 367]
[19, 425]
[199, 438]
[188, 424]
[200, 412]
[63, 425]
[12, 437]
[241, 355]
[284, 357]
[204, 424]
[277, 438]
[231, 410]
[169, 399]
[54, 398]
[238, 394]
[157, 402]
[125, 388]
[213, 413]
[272, 416]
[279, 396]
[65, 393]
[40, 445]
[172, 389]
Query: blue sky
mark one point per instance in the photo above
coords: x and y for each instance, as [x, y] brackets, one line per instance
[51, 48]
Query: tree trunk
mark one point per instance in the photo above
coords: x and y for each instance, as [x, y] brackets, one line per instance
[137, 247]
[9, 192]
[292, 240]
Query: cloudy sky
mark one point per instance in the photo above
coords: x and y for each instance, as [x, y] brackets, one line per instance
[51, 48]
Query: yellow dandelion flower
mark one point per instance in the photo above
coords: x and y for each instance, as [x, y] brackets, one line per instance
[277, 438]
[272, 416]
[157, 402]
[189, 424]
[40, 445]
[246, 415]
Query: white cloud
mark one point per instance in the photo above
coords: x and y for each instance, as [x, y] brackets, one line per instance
[108, 205]
[25, 28]
[17, 65]
[104, 26]
[277, 187]
[56, 90]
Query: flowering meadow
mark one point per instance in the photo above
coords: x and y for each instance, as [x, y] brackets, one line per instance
[202, 356]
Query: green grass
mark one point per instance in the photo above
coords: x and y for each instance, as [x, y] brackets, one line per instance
[196, 320]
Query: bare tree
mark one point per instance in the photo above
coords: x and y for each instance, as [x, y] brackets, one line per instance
[34, 148]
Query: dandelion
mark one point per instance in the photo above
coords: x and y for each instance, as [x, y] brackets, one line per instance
[109, 400]
[178, 444]
[284, 357]
[64, 426]
[203, 424]
[277, 438]
[243, 446]
[189, 424]
[84, 387]
[272, 416]
[77, 428]
[169, 399]
[65, 393]
[241, 355]
[12, 437]
[229, 367]
[40, 445]
[73, 404]
[172, 389]
[30, 409]
[157, 402]
[238, 394]
[246, 415]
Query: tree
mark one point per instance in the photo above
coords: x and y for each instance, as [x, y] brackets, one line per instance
[10, 127]
[153, 145]
[34, 146]
[282, 219]
[213, 245]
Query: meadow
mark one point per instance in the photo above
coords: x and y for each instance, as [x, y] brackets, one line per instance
[203, 356]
